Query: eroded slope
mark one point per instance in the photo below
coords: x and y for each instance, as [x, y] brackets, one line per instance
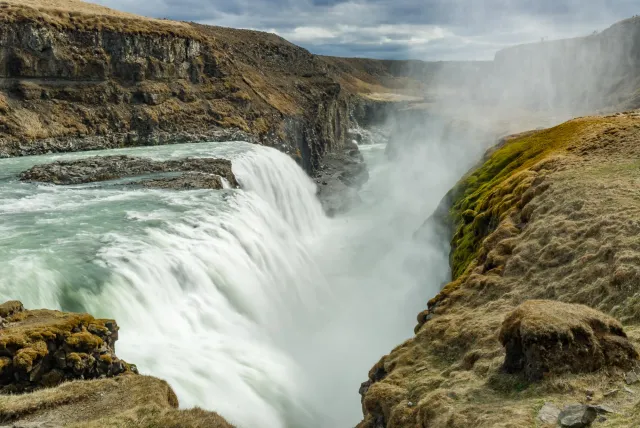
[551, 215]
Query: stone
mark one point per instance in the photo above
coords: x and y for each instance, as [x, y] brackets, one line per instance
[631, 378]
[577, 416]
[549, 413]
[602, 409]
[540, 337]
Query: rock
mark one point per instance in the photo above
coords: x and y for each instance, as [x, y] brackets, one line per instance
[10, 308]
[602, 409]
[577, 416]
[200, 172]
[343, 174]
[631, 378]
[191, 180]
[549, 413]
[45, 348]
[541, 337]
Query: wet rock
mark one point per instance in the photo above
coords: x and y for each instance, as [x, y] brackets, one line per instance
[548, 414]
[341, 176]
[188, 181]
[577, 416]
[199, 172]
[553, 337]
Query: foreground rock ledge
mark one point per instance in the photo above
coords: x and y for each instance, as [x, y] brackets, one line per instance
[46, 360]
[543, 336]
[196, 172]
[45, 348]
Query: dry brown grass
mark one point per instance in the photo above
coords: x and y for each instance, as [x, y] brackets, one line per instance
[575, 242]
[80, 15]
[126, 401]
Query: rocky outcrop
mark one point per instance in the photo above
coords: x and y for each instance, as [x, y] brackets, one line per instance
[45, 348]
[339, 178]
[543, 337]
[198, 172]
[64, 367]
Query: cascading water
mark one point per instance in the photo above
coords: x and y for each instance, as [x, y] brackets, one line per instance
[248, 302]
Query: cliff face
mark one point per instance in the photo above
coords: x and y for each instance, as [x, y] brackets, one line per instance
[578, 75]
[542, 310]
[87, 77]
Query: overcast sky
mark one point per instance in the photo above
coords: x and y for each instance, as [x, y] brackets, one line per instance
[394, 29]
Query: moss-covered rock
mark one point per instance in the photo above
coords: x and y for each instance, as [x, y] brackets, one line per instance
[542, 337]
[44, 348]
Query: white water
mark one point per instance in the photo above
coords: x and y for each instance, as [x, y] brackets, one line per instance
[249, 302]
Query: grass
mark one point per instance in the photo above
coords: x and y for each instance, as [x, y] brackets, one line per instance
[484, 197]
[83, 16]
[126, 401]
[563, 232]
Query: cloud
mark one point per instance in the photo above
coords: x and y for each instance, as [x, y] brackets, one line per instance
[422, 29]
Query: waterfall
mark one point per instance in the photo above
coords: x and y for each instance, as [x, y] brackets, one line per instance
[204, 300]
[249, 302]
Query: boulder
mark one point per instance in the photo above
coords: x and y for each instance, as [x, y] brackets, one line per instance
[548, 414]
[552, 337]
[43, 348]
[577, 416]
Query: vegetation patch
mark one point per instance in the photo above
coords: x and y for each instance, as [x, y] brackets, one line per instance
[484, 197]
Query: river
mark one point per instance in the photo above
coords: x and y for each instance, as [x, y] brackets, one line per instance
[248, 302]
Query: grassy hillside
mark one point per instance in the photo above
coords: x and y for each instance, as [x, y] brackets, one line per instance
[550, 215]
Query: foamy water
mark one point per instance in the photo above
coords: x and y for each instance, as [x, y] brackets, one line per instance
[248, 302]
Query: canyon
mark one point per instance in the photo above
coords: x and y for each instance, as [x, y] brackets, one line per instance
[181, 165]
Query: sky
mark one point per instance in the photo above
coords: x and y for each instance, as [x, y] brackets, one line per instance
[399, 29]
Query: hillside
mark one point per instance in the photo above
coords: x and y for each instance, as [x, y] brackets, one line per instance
[78, 76]
[547, 223]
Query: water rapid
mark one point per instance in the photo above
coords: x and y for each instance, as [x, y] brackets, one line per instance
[248, 302]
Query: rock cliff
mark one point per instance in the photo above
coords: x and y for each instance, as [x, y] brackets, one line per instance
[75, 76]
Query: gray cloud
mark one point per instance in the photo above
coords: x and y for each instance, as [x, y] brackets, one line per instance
[421, 29]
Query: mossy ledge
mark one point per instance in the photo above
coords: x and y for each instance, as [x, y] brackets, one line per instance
[510, 175]
[43, 348]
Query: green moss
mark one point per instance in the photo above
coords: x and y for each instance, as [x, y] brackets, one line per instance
[84, 341]
[25, 357]
[484, 197]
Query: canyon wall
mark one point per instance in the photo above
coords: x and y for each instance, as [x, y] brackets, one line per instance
[79, 81]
